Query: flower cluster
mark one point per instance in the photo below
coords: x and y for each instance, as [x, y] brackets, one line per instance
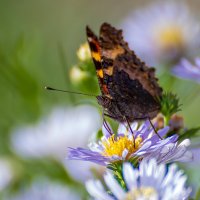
[141, 157]
[138, 161]
[124, 146]
[148, 152]
[151, 181]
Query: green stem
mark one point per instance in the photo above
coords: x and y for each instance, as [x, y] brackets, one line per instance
[166, 120]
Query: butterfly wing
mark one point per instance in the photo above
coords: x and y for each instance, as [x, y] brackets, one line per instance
[97, 57]
[128, 79]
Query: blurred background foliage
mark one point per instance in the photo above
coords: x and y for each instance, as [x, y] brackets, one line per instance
[38, 44]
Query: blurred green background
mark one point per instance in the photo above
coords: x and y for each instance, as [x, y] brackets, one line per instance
[38, 44]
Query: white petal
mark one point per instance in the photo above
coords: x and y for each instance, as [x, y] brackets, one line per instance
[96, 190]
[130, 176]
[185, 143]
[122, 129]
[114, 186]
[124, 154]
[134, 126]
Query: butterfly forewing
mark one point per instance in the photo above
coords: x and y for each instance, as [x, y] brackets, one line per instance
[97, 58]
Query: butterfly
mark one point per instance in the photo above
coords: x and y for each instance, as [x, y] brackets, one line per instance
[129, 89]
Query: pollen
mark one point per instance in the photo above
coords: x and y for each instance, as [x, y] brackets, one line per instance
[116, 145]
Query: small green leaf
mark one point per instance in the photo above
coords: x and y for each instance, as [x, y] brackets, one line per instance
[99, 135]
[169, 105]
[134, 161]
[117, 172]
[189, 133]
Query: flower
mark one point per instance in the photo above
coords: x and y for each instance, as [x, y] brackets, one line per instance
[53, 133]
[51, 136]
[187, 70]
[46, 190]
[164, 31]
[143, 143]
[152, 181]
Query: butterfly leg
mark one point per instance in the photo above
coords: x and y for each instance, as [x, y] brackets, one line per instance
[155, 129]
[105, 124]
[129, 126]
[111, 116]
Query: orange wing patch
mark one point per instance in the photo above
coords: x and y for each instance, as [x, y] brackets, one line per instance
[96, 56]
[113, 53]
[100, 73]
[108, 71]
[97, 59]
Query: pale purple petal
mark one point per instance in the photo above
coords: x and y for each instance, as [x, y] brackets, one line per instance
[186, 70]
[107, 130]
[87, 155]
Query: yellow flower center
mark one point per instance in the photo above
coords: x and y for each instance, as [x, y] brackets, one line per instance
[170, 37]
[116, 145]
[146, 193]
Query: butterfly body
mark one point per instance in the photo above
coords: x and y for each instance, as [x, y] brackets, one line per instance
[129, 88]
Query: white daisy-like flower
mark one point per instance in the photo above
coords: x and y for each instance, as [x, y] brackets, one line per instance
[46, 190]
[53, 134]
[162, 32]
[151, 181]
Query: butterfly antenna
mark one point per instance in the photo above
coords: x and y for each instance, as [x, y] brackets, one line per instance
[67, 91]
